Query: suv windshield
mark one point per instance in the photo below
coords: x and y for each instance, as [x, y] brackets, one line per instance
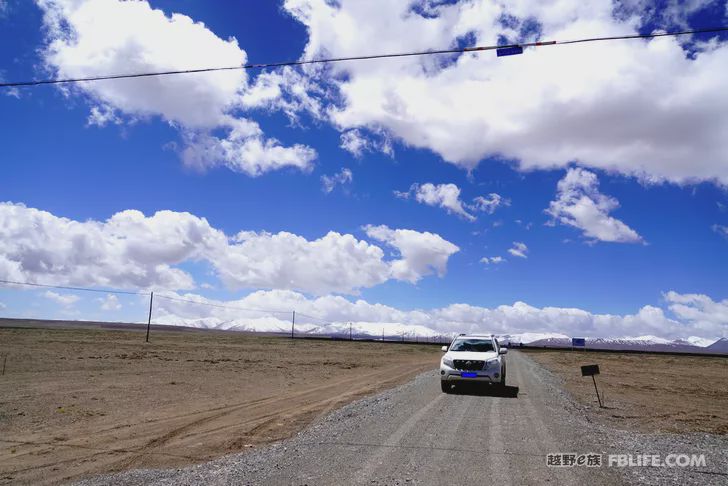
[476, 345]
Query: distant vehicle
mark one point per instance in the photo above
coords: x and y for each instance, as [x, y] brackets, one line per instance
[473, 359]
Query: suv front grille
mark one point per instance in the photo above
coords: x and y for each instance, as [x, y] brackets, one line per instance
[468, 365]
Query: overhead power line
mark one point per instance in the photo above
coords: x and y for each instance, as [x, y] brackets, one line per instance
[161, 296]
[503, 48]
[84, 289]
[315, 318]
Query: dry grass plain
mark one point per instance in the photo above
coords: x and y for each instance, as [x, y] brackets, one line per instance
[648, 392]
[77, 402]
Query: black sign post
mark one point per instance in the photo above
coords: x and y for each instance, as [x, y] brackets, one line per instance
[591, 370]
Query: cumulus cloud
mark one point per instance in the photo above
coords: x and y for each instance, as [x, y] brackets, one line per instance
[492, 260]
[131, 250]
[420, 254]
[341, 178]
[101, 37]
[356, 143]
[692, 315]
[110, 303]
[65, 300]
[519, 249]
[490, 203]
[287, 90]
[447, 196]
[580, 204]
[699, 312]
[240, 152]
[646, 108]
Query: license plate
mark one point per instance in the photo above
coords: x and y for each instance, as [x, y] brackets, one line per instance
[468, 375]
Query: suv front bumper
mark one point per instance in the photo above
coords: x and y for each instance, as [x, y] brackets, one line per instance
[488, 376]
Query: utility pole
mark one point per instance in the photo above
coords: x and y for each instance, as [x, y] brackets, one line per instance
[293, 323]
[149, 321]
[351, 336]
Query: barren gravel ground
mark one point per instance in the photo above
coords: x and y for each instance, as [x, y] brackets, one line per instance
[412, 434]
[415, 434]
[76, 402]
[648, 392]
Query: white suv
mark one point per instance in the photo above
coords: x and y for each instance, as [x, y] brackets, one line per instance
[473, 358]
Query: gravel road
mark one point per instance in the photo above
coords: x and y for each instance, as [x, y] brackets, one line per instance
[415, 434]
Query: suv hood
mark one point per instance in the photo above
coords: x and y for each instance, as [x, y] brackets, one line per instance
[471, 355]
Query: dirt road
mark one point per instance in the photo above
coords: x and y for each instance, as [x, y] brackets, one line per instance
[418, 435]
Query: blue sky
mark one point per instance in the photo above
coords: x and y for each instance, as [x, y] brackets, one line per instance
[55, 161]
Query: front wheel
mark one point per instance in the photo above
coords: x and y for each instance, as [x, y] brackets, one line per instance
[446, 387]
[503, 378]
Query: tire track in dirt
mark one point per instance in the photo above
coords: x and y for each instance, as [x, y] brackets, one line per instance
[297, 405]
[204, 434]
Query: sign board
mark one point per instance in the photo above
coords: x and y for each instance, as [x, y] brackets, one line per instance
[589, 370]
[509, 51]
[578, 342]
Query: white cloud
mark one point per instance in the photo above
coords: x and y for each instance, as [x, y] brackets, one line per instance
[421, 254]
[489, 204]
[287, 90]
[721, 230]
[638, 107]
[101, 116]
[356, 143]
[697, 316]
[492, 260]
[699, 312]
[332, 263]
[343, 177]
[446, 196]
[101, 37]
[110, 303]
[3, 306]
[65, 300]
[353, 142]
[580, 204]
[131, 250]
[519, 249]
[252, 155]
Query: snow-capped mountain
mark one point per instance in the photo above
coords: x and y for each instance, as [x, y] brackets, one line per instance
[698, 341]
[648, 339]
[639, 343]
[386, 330]
[411, 332]
[529, 337]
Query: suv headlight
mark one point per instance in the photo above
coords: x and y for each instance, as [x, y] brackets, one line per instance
[491, 363]
[448, 362]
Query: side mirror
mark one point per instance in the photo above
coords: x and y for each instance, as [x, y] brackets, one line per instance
[503, 351]
[444, 349]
